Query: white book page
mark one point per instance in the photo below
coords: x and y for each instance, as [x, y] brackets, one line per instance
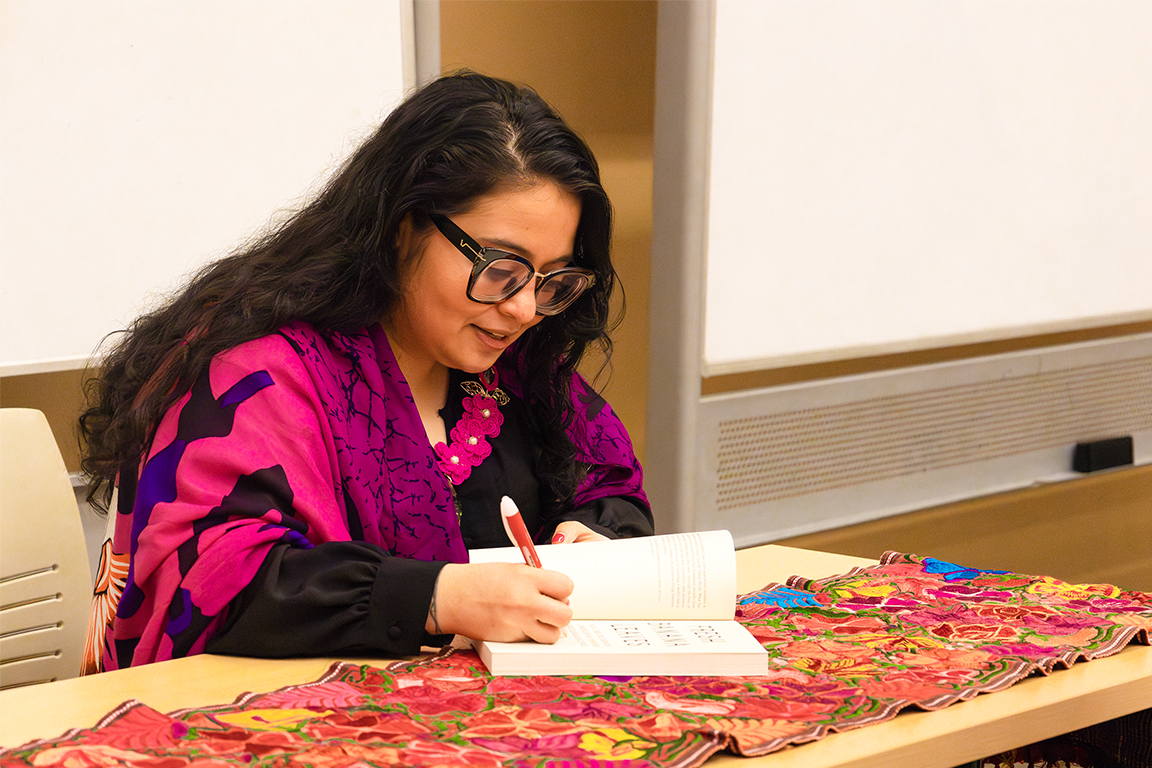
[724, 648]
[643, 637]
[676, 576]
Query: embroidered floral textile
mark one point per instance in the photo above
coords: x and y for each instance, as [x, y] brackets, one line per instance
[846, 651]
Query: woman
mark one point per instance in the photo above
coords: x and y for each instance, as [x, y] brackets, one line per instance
[308, 438]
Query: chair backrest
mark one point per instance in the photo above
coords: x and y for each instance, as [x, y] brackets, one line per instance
[45, 592]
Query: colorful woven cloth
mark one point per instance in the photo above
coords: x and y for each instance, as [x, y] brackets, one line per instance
[846, 651]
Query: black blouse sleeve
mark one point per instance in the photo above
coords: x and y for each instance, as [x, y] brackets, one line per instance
[616, 517]
[346, 597]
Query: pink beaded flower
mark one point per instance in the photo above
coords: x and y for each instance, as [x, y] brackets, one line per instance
[469, 446]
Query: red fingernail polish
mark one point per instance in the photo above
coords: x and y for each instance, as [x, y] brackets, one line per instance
[558, 538]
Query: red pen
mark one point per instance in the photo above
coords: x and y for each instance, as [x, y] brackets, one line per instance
[517, 533]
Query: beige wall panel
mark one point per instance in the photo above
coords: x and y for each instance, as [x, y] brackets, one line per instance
[1095, 529]
[594, 61]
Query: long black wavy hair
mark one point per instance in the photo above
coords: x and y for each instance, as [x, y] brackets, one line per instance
[334, 264]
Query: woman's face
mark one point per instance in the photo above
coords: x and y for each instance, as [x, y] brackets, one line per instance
[436, 324]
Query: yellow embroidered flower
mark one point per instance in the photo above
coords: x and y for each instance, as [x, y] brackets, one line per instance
[896, 643]
[270, 719]
[615, 744]
[863, 588]
[1046, 585]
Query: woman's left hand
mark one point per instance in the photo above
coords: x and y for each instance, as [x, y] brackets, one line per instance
[572, 532]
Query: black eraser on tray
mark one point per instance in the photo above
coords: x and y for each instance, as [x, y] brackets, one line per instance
[1103, 454]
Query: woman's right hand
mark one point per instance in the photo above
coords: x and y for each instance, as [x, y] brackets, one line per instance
[502, 602]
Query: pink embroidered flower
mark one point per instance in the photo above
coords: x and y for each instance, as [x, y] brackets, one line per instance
[470, 444]
[330, 695]
[546, 689]
[908, 685]
[453, 463]
[503, 722]
[661, 700]
[142, 727]
[481, 415]
[88, 756]
[442, 752]
[365, 726]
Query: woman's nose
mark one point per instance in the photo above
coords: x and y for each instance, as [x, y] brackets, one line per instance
[522, 304]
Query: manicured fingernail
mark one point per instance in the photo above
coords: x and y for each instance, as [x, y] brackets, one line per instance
[558, 538]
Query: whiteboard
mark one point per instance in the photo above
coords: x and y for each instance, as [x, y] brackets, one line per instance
[142, 139]
[890, 175]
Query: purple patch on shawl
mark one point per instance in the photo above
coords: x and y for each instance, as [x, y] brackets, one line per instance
[245, 388]
[179, 613]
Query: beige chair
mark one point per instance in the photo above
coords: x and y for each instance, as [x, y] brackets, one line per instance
[45, 589]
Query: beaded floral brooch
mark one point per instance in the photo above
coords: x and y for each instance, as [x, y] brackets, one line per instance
[469, 438]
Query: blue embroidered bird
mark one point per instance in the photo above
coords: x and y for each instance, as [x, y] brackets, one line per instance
[782, 597]
[953, 572]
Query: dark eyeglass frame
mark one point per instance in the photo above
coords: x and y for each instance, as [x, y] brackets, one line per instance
[482, 257]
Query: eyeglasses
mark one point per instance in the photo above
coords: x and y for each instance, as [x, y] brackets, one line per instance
[499, 275]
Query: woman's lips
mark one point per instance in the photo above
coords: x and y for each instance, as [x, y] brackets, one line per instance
[495, 339]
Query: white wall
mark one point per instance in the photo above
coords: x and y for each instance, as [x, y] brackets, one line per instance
[142, 139]
[890, 175]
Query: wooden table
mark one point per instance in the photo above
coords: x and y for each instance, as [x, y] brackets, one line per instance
[1031, 710]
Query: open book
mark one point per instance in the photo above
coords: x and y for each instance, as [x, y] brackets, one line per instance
[657, 605]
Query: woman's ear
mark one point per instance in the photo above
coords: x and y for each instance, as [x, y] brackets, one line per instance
[404, 239]
[410, 242]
